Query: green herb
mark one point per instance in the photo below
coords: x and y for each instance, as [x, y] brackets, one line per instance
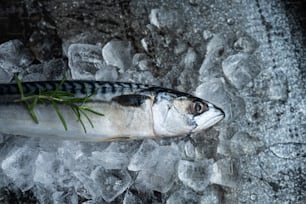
[55, 97]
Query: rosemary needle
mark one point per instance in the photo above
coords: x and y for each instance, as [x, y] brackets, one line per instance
[55, 97]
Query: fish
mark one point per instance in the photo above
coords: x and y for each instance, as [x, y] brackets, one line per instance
[130, 111]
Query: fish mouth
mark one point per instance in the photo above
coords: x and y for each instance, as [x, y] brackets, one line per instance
[216, 116]
[214, 120]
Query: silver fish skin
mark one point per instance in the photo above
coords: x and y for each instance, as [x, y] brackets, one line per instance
[131, 111]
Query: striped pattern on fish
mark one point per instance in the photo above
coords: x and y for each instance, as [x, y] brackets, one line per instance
[131, 111]
[103, 91]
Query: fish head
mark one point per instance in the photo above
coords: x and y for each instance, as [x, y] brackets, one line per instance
[178, 113]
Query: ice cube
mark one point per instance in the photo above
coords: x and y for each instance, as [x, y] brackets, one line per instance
[18, 165]
[142, 159]
[5, 77]
[144, 77]
[225, 173]
[116, 156]
[14, 53]
[55, 69]
[189, 149]
[163, 18]
[214, 91]
[86, 187]
[160, 173]
[130, 198]
[217, 47]
[155, 173]
[190, 59]
[183, 196]
[206, 146]
[84, 60]
[45, 45]
[245, 43]
[180, 47]
[195, 174]
[112, 182]
[142, 62]
[242, 144]
[68, 196]
[41, 194]
[45, 172]
[34, 77]
[107, 73]
[118, 53]
[240, 69]
[82, 38]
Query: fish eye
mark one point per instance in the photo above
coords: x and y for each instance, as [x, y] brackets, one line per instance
[198, 107]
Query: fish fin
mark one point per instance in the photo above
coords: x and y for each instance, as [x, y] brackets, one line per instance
[131, 99]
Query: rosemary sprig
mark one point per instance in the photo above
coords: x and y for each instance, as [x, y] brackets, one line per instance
[55, 97]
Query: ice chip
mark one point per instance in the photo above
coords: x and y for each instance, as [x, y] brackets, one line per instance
[112, 182]
[225, 173]
[84, 61]
[118, 53]
[240, 69]
[195, 174]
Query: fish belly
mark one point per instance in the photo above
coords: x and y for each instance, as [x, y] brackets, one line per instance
[118, 123]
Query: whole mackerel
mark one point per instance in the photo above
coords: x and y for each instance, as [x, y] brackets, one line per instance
[131, 111]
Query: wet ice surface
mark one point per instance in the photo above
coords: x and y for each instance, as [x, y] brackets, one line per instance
[221, 52]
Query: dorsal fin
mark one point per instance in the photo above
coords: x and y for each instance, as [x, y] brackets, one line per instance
[131, 99]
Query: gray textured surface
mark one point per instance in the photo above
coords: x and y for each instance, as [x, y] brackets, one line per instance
[246, 56]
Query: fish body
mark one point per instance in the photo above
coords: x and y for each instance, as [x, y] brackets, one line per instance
[131, 111]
